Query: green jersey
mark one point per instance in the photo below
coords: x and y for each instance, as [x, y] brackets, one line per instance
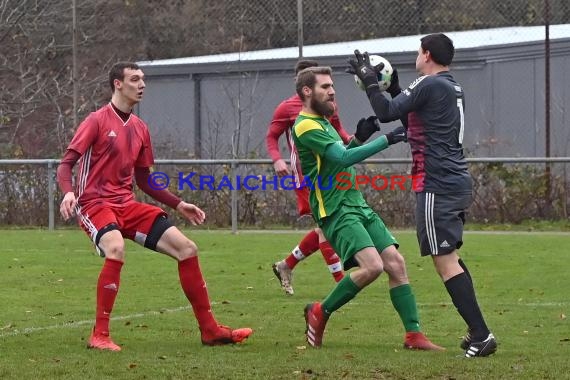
[331, 185]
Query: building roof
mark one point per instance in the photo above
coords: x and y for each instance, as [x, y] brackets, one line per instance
[462, 40]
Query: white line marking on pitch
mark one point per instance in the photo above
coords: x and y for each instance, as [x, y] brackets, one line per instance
[71, 325]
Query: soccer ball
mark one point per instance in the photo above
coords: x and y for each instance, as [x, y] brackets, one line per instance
[384, 77]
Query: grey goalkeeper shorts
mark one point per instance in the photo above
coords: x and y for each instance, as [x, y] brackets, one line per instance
[439, 221]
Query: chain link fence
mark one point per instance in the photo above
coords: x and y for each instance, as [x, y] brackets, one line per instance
[37, 112]
[504, 192]
[273, 23]
[35, 106]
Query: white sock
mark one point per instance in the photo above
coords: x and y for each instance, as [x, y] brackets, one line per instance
[336, 267]
[298, 254]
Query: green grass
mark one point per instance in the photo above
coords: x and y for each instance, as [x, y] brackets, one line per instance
[48, 289]
[529, 225]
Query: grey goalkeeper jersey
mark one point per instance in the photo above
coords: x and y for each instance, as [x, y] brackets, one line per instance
[433, 106]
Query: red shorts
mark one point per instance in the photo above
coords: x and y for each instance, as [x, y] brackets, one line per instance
[303, 206]
[134, 219]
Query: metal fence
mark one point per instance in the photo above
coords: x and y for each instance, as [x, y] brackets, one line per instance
[283, 24]
[49, 80]
[506, 190]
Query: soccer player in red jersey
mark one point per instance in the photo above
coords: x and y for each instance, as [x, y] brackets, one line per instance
[112, 146]
[283, 119]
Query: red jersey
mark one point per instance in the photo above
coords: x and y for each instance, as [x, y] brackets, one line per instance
[282, 122]
[110, 150]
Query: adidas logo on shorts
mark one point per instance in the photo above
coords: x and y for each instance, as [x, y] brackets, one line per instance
[445, 244]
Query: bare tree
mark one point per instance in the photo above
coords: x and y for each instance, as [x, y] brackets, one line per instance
[36, 89]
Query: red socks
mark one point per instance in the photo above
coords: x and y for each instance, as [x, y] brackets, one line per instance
[306, 247]
[195, 290]
[107, 289]
[332, 260]
[191, 280]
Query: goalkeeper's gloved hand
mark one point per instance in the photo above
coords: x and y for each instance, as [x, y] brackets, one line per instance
[361, 67]
[366, 128]
[379, 67]
[397, 135]
[394, 89]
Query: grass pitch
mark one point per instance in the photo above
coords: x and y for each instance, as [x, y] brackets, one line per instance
[48, 280]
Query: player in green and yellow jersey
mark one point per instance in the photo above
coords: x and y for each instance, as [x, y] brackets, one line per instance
[354, 230]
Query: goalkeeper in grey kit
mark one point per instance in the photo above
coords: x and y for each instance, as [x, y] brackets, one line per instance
[432, 108]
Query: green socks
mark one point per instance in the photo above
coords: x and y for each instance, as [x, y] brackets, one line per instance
[402, 298]
[405, 304]
[343, 292]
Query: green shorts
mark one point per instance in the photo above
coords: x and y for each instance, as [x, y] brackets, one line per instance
[352, 228]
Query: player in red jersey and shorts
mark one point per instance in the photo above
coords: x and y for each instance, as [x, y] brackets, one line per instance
[114, 150]
[283, 119]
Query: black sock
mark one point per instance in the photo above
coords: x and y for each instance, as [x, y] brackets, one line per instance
[464, 267]
[460, 288]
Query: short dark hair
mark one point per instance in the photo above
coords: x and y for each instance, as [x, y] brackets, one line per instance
[305, 63]
[308, 77]
[440, 47]
[118, 72]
